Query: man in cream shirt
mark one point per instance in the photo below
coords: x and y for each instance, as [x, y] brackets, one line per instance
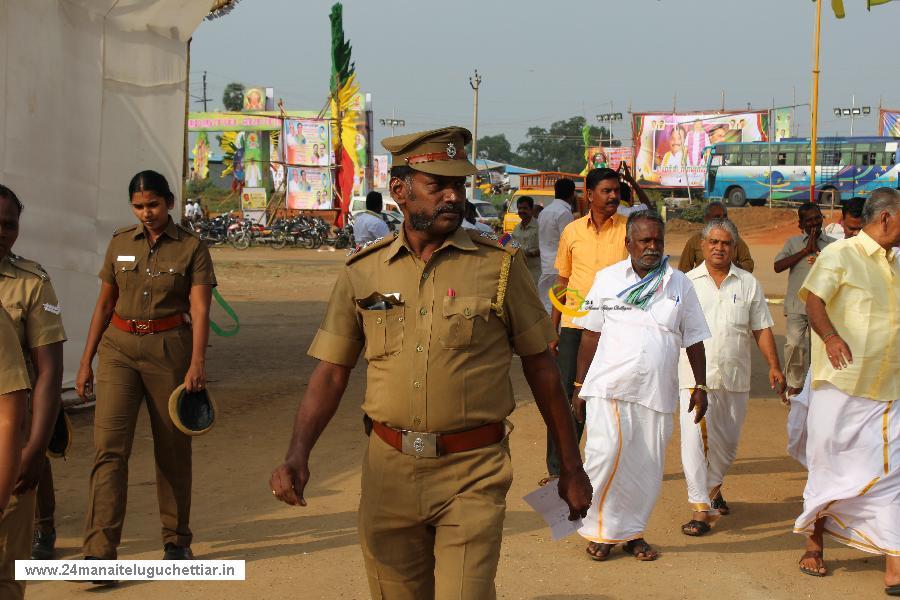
[736, 311]
[852, 297]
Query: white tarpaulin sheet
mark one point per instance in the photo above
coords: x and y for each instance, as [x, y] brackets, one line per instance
[93, 91]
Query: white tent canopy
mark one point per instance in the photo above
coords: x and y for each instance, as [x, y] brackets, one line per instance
[93, 92]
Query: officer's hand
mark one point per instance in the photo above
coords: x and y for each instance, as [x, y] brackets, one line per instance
[195, 378]
[698, 401]
[576, 490]
[578, 406]
[32, 464]
[288, 482]
[84, 382]
[554, 348]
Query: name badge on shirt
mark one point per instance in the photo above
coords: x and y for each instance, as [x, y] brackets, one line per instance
[125, 258]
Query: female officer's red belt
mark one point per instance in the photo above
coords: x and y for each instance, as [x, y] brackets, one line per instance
[138, 327]
[432, 445]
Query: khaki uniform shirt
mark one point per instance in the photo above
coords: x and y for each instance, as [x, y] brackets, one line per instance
[527, 238]
[692, 255]
[439, 358]
[13, 376]
[155, 281]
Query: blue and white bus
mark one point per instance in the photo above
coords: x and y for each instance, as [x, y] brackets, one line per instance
[737, 173]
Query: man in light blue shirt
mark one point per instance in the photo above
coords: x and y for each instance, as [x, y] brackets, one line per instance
[369, 226]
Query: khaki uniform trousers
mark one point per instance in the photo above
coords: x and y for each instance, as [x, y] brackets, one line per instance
[130, 369]
[16, 530]
[431, 528]
[796, 350]
[45, 505]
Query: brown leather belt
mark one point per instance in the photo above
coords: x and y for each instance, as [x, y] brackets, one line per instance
[432, 445]
[138, 327]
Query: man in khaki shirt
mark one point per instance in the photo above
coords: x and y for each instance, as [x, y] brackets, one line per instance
[440, 311]
[526, 235]
[14, 386]
[692, 255]
[852, 296]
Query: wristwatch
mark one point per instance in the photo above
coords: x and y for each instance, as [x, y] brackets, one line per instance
[702, 387]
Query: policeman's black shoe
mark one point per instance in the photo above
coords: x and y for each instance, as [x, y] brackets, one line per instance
[173, 552]
[43, 545]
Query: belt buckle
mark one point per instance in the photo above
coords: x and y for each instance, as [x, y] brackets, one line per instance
[417, 443]
[138, 328]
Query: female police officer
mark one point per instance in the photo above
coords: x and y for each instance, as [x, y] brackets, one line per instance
[151, 324]
[28, 298]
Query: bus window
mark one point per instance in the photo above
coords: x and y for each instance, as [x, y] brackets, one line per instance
[846, 157]
[752, 159]
[865, 159]
[887, 159]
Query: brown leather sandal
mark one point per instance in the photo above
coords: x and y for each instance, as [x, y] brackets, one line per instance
[816, 554]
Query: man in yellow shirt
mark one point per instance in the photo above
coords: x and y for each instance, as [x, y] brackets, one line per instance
[587, 246]
[852, 297]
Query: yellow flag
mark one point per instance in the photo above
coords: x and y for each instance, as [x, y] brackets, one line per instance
[877, 2]
[838, 6]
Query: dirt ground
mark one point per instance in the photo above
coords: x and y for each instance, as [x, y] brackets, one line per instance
[258, 377]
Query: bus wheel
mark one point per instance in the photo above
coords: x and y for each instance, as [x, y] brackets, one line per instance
[736, 197]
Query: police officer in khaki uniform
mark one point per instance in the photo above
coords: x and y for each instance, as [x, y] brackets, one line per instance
[14, 386]
[28, 298]
[440, 311]
[151, 324]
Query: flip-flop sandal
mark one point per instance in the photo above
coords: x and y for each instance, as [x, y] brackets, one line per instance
[695, 528]
[812, 572]
[893, 590]
[600, 556]
[641, 547]
[720, 505]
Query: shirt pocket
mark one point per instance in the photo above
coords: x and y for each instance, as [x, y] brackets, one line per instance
[458, 320]
[383, 330]
[125, 274]
[172, 276]
[665, 313]
[738, 315]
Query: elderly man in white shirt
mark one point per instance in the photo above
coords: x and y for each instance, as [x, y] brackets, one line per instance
[736, 311]
[637, 316]
[551, 222]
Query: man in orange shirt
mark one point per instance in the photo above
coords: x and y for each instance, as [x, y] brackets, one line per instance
[587, 245]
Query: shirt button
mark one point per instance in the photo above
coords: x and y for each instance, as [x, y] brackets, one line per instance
[425, 275]
[419, 348]
[379, 320]
[417, 385]
[468, 312]
[146, 293]
[148, 270]
[423, 311]
[400, 319]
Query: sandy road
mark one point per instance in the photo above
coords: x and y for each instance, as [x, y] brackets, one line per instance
[313, 552]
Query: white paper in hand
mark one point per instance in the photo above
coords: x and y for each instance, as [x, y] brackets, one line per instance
[553, 509]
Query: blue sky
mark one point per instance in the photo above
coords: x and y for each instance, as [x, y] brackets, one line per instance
[544, 61]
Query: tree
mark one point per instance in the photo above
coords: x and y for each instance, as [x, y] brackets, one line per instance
[233, 98]
[561, 147]
[495, 147]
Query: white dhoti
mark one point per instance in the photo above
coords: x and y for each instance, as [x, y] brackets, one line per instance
[708, 448]
[796, 423]
[853, 452]
[544, 284]
[623, 456]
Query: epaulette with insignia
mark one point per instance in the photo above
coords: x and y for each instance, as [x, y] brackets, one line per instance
[122, 230]
[364, 249]
[504, 242]
[29, 266]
